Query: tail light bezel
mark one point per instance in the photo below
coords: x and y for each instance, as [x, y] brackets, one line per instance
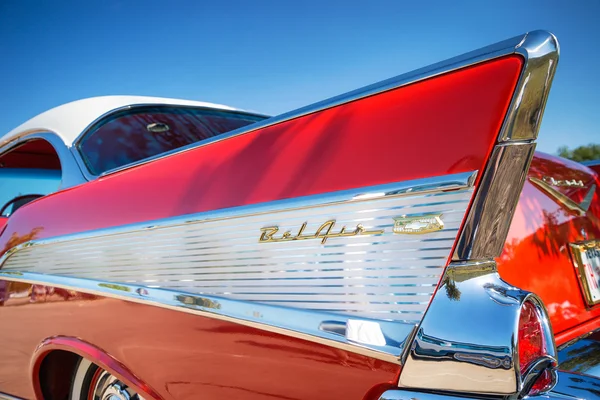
[547, 362]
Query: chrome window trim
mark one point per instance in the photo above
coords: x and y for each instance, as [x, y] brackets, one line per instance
[70, 170]
[76, 151]
[302, 324]
[500, 49]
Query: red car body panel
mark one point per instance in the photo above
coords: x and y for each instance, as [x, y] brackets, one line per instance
[178, 355]
[443, 125]
[536, 255]
[594, 166]
[449, 125]
[350, 146]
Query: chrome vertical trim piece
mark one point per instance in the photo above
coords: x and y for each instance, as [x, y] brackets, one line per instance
[540, 50]
[488, 222]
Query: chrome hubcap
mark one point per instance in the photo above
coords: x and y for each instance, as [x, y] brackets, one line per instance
[109, 387]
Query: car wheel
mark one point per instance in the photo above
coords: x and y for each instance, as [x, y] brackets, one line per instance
[91, 382]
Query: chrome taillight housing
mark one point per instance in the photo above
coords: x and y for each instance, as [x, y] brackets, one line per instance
[481, 335]
[536, 348]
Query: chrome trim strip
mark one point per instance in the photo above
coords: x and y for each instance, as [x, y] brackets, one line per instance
[378, 274]
[487, 225]
[540, 50]
[506, 47]
[308, 325]
[577, 339]
[444, 183]
[485, 230]
[580, 355]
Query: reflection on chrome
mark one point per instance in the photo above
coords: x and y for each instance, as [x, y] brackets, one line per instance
[568, 386]
[467, 339]
[428, 347]
[487, 224]
[359, 331]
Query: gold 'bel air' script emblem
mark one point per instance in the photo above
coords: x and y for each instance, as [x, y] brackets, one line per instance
[418, 224]
[323, 233]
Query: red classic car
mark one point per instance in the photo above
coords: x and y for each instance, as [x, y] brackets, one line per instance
[401, 241]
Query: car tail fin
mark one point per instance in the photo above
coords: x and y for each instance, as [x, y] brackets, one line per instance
[365, 215]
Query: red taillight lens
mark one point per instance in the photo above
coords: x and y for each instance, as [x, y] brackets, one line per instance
[542, 383]
[532, 344]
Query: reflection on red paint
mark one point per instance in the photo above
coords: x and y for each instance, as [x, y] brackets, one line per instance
[443, 125]
[180, 355]
[536, 254]
[92, 353]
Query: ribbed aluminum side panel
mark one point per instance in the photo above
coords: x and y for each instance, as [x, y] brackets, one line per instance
[387, 276]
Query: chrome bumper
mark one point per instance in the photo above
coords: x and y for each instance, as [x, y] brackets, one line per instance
[568, 386]
[582, 355]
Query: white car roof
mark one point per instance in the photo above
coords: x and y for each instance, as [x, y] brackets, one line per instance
[69, 120]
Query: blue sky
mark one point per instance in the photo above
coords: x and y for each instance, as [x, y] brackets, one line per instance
[274, 56]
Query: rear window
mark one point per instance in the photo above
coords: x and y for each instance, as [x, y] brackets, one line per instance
[136, 134]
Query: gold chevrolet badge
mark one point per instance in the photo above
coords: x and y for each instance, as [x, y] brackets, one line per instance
[418, 224]
[581, 208]
[324, 232]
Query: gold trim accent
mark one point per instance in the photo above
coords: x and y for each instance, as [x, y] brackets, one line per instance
[578, 251]
[323, 232]
[418, 224]
[580, 208]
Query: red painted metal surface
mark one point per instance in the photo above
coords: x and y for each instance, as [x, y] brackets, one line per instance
[536, 255]
[176, 354]
[439, 126]
[90, 352]
[443, 125]
[595, 167]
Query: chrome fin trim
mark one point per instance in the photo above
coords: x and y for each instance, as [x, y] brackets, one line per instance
[487, 225]
[489, 219]
[466, 341]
